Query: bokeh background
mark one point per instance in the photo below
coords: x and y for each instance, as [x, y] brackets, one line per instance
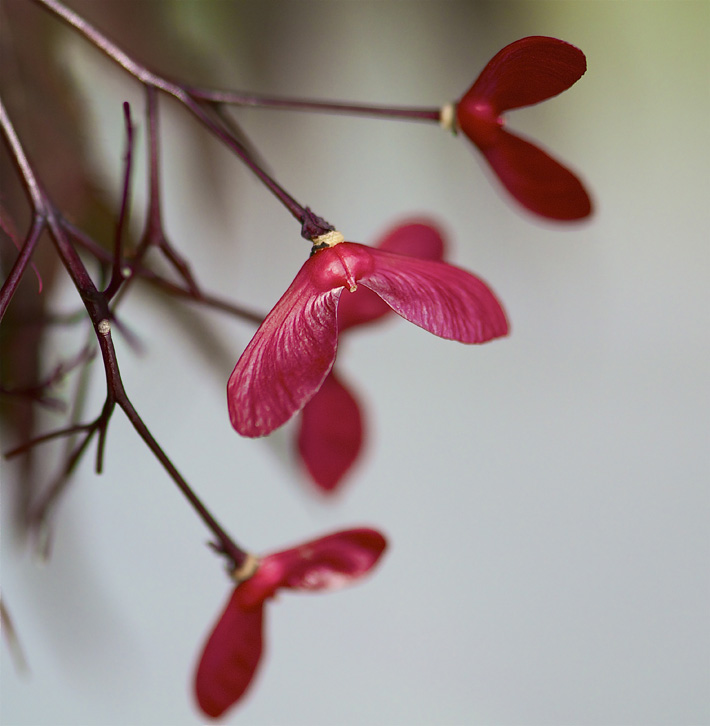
[545, 496]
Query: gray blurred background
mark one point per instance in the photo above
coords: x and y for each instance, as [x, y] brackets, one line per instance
[545, 496]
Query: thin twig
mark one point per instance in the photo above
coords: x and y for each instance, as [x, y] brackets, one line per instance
[156, 280]
[154, 233]
[117, 275]
[237, 98]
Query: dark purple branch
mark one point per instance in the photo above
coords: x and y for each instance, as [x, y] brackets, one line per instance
[97, 307]
[117, 275]
[154, 233]
[155, 217]
[294, 104]
[205, 117]
[196, 107]
[59, 433]
[156, 280]
[37, 201]
[102, 427]
[212, 301]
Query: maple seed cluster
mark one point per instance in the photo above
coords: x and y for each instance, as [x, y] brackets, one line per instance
[287, 369]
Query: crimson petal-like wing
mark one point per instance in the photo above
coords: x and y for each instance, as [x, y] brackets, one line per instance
[327, 563]
[287, 359]
[436, 296]
[536, 180]
[333, 561]
[230, 657]
[526, 72]
[330, 434]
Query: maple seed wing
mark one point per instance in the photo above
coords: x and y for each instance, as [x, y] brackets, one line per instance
[436, 296]
[331, 562]
[536, 180]
[330, 434]
[526, 72]
[416, 239]
[286, 361]
[230, 658]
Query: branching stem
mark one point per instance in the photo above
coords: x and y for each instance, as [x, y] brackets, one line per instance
[311, 224]
[97, 307]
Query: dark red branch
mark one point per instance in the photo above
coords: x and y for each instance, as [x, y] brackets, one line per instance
[156, 280]
[197, 107]
[154, 233]
[237, 98]
[117, 275]
[97, 307]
